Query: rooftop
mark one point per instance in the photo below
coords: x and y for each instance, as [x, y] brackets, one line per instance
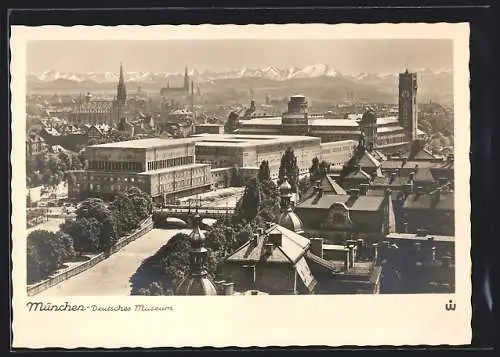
[293, 247]
[148, 143]
[240, 140]
[415, 237]
[445, 201]
[325, 201]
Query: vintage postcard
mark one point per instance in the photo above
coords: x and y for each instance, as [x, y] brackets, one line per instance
[240, 185]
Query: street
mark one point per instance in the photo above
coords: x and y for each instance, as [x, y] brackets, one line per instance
[111, 276]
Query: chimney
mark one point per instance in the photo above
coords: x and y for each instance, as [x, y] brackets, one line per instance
[405, 225]
[346, 259]
[392, 177]
[403, 162]
[412, 176]
[363, 188]
[360, 248]
[260, 231]
[228, 288]
[316, 247]
[374, 252]
[255, 238]
[275, 237]
[354, 192]
[219, 286]
[420, 190]
[268, 248]
[407, 188]
[351, 255]
[437, 195]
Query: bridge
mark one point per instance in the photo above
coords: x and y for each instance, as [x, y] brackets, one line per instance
[186, 212]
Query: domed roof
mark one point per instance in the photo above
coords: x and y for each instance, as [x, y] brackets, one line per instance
[291, 221]
[196, 285]
[285, 187]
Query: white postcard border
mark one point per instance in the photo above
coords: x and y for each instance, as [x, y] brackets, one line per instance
[332, 320]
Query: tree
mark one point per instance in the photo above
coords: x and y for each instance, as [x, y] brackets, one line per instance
[250, 201]
[85, 233]
[142, 202]
[161, 272]
[46, 252]
[124, 212]
[96, 208]
[264, 172]
[236, 177]
[289, 169]
[314, 169]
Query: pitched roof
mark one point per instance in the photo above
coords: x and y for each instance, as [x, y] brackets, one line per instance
[293, 247]
[94, 106]
[367, 160]
[388, 181]
[424, 175]
[327, 184]
[359, 174]
[325, 201]
[446, 201]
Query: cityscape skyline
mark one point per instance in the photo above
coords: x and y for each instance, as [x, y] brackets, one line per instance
[344, 56]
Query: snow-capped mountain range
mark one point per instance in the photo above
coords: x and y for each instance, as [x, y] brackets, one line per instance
[270, 73]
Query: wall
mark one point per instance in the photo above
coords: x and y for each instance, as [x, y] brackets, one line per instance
[146, 226]
[337, 153]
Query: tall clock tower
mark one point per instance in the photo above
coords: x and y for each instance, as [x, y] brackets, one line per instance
[408, 103]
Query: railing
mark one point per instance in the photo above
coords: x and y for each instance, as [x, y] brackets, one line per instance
[34, 289]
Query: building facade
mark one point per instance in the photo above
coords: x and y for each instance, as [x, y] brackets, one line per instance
[163, 168]
[89, 111]
[250, 150]
[388, 134]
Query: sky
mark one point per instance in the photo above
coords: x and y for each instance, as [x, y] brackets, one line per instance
[345, 56]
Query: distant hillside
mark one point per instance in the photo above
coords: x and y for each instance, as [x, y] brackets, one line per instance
[319, 82]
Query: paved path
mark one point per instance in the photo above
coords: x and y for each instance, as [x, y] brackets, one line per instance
[111, 276]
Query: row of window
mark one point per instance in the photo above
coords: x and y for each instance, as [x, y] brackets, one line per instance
[101, 187]
[391, 140]
[178, 161]
[117, 179]
[126, 166]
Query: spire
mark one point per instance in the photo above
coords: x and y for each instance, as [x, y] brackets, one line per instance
[285, 190]
[198, 253]
[121, 91]
[186, 79]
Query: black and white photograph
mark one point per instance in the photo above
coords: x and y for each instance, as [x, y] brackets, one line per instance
[227, 165]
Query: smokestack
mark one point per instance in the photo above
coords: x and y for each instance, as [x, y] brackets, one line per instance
[317, 247]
